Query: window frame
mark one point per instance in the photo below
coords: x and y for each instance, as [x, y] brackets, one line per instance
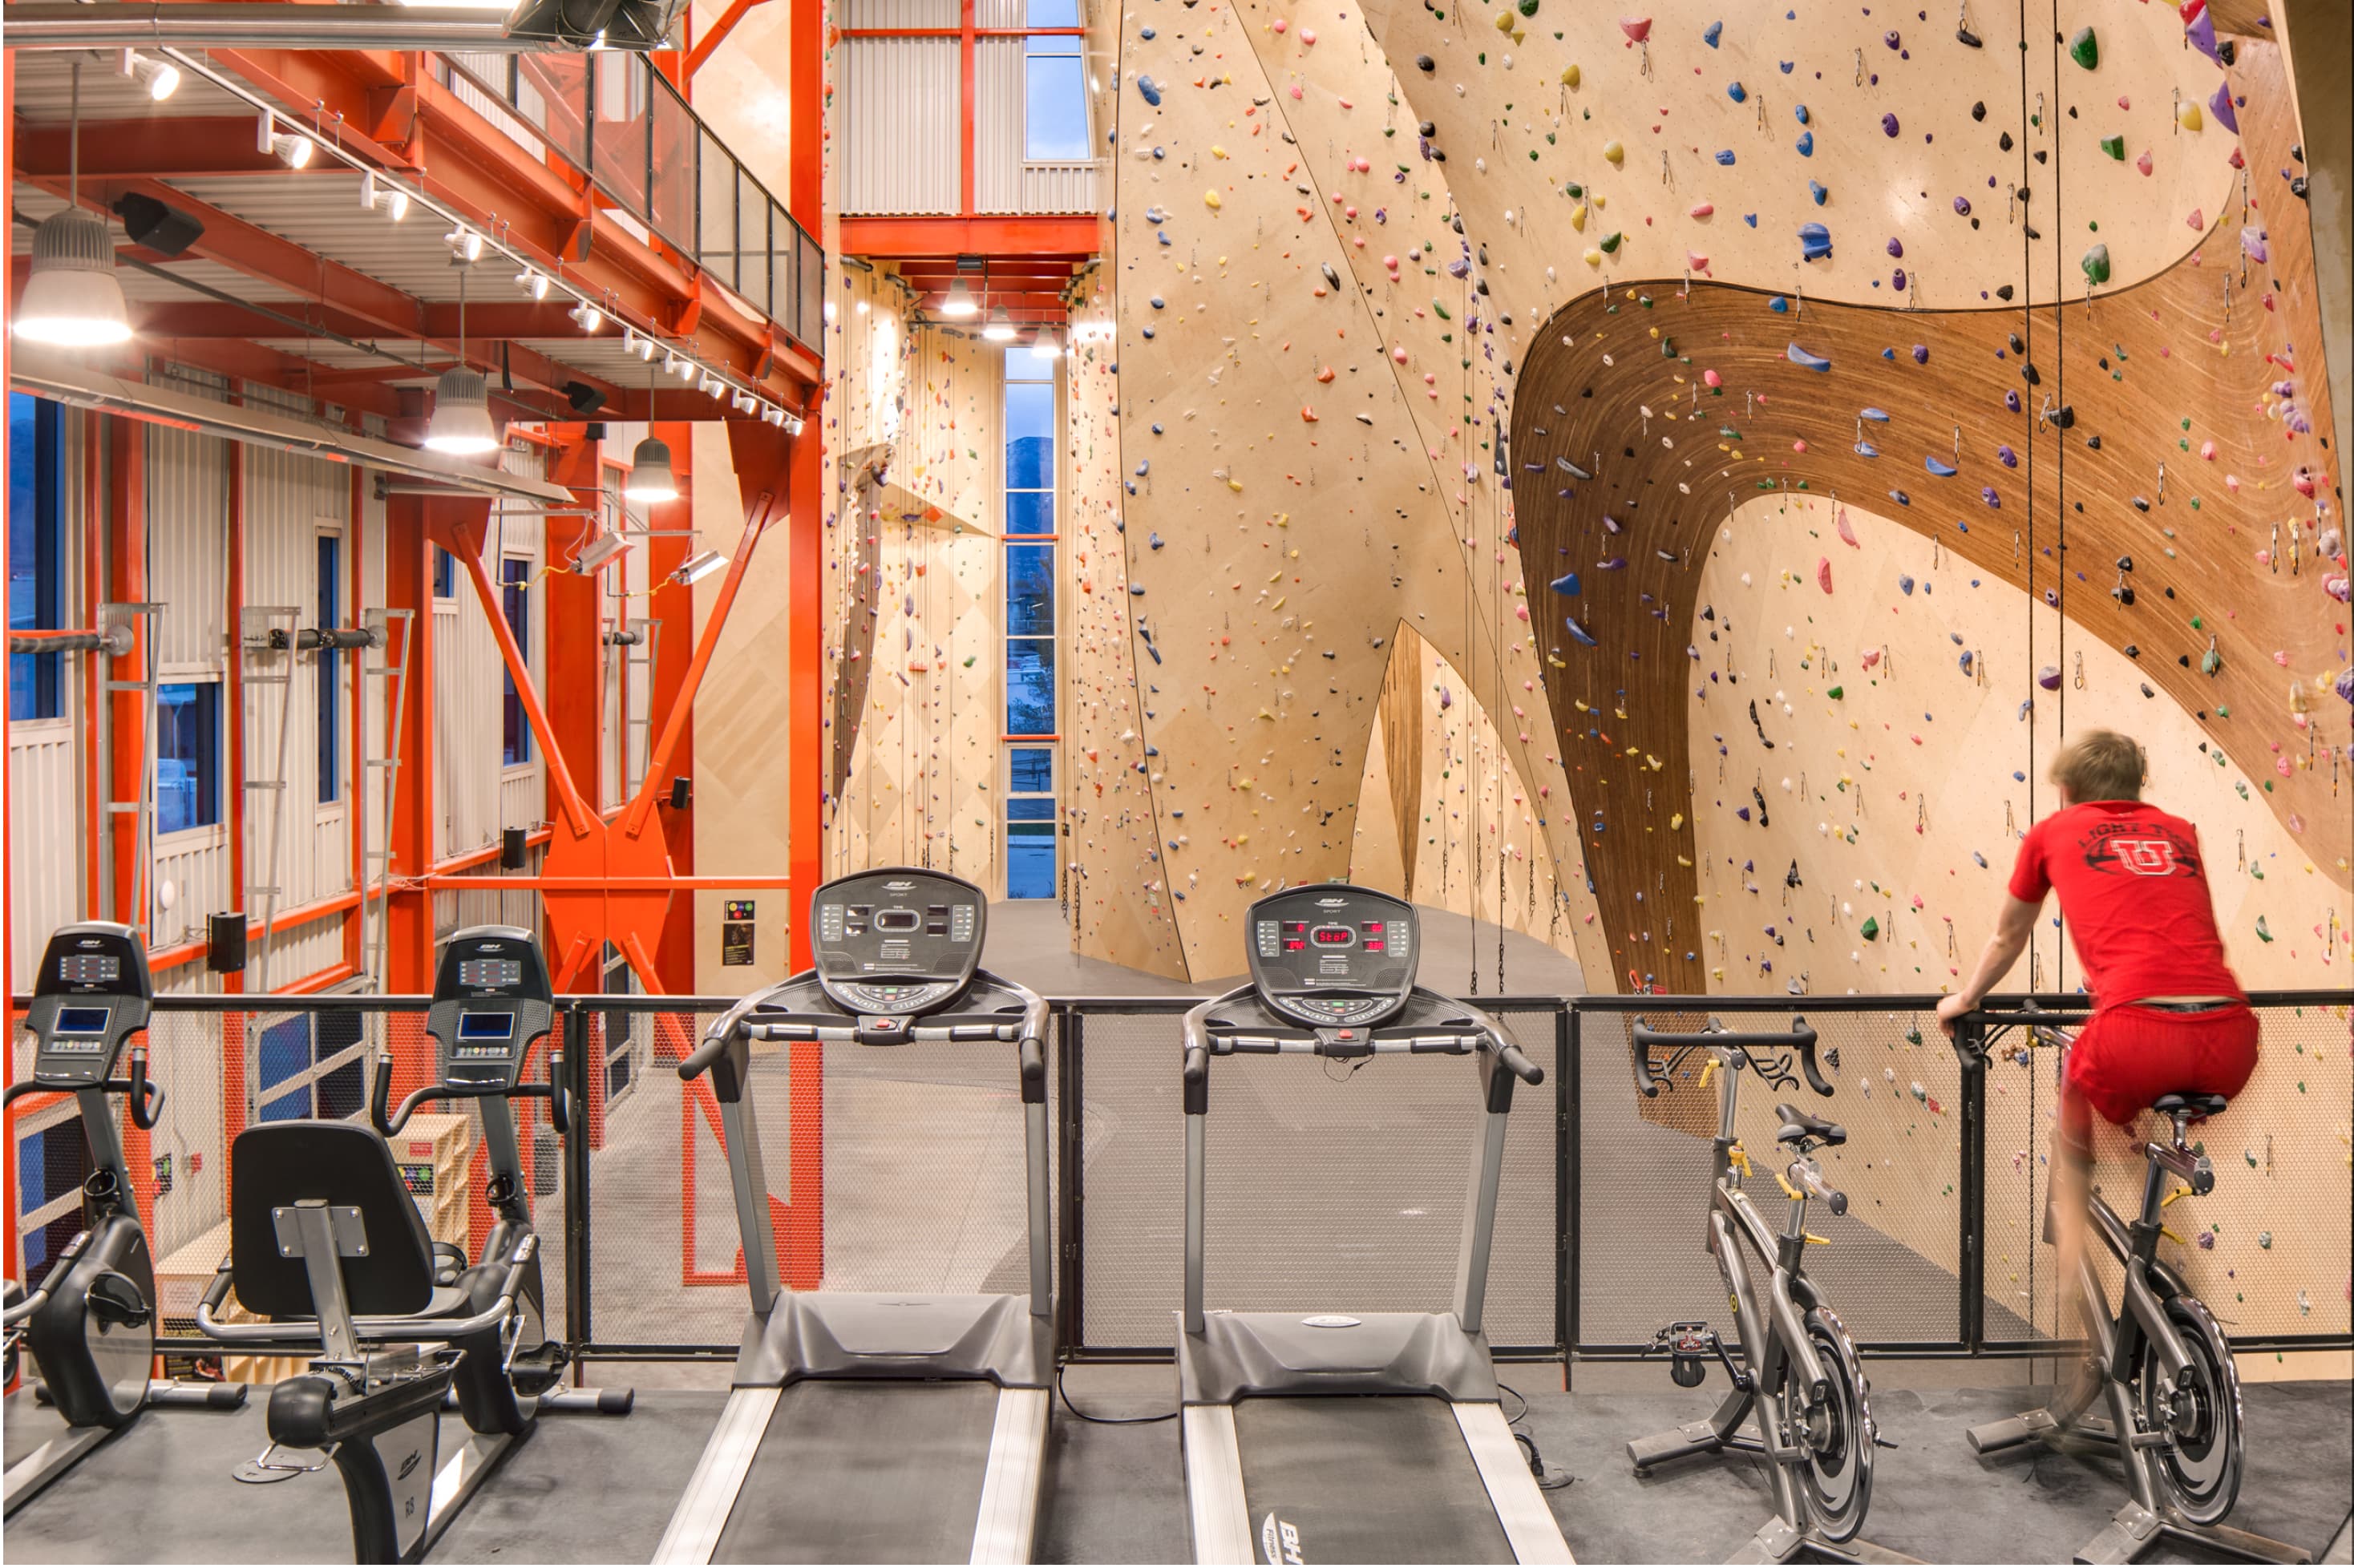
[517, 749]
[328, 664]
[211, 751]
[306, 1079]
[50, 566]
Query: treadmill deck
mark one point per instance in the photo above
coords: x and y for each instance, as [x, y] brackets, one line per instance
[1364, 1478]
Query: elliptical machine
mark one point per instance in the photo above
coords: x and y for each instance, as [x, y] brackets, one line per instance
[91, 1325]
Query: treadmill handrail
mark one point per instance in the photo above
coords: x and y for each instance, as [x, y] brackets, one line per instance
[1206, 1036]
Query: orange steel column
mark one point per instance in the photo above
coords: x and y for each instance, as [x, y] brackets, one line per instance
[575, 606]
[672, 948]
[805, 668]
[410, 829]
[126, 528]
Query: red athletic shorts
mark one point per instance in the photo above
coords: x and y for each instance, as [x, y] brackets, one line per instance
[2126, 1056]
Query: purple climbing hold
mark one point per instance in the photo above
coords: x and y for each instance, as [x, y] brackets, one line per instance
[1896, 280]
[1962, 205]
[1986, 494]
[2346, 684]
[2010, 400]
[2047, 677]
[2254, 243]
[2203, 34]
[1920, 353]
[2219, 106]
[2007, 458]
[1896, 247]
[1888, 124]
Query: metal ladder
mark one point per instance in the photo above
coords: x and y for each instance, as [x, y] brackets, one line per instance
[375, 859]
[149, 685]
[638, 634]
[267, 633]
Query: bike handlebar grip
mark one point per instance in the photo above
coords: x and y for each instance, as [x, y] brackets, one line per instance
[1197, 1079]
[1805, 1036]
[1033, 1071]
[143, 1116]
[380, 1100]
[1640, 1039]
[1528, 1071]
[559, 1095]
[713, 1047]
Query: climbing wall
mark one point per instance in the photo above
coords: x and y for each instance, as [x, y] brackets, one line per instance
[1119, 897]
[1309, 446]
[913, 588]
[1443, 819]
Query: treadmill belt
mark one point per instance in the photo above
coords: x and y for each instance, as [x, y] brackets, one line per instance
[865, 1472]
[1369, 1478]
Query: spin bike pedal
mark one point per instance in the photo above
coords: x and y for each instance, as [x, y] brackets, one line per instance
[1688, 1345]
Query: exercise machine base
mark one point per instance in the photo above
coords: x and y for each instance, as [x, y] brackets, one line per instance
[1777, 1540]
[54, 1457]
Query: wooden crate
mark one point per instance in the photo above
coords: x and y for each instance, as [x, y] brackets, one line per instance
[181, 1281]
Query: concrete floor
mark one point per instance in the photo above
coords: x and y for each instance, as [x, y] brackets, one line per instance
[589, 1489]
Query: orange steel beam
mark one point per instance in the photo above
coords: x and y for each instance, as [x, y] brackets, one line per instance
[466, 542]
[575, 648]
[805, 90]
[968, 189]
[354, 591]
[411, 813]
[8, 978]
[126, 577]
[710, 41]
[972, 235]
[606, 883]
[807, 769]
[757, 517]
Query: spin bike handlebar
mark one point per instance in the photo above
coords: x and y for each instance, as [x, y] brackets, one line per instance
[1972, 1049]
[1642, 1037]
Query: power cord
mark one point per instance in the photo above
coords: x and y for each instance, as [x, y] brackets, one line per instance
[1065, 1395]
[1550, 1480]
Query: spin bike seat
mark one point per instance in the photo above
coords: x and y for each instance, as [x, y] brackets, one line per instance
[2185, 1100]
[1798, 1124]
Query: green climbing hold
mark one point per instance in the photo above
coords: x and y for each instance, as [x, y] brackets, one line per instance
[2209, 661]
[2084, 48]
[2115, 147]
[1610, 242]
[1835, 693]
[1871, 928]
[2264, 1240]
[2096, 265]
[2263, 930]
[1441, 309]
[1528, 7]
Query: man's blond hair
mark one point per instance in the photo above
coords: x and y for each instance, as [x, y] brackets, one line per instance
[2099, 765]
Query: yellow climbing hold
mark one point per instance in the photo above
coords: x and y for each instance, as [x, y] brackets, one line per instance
[1210, 199]
[1675, 821]
[1578, 217]
[2189, 117]
[1504, 22]
[1571, 75]
[1592, 257]
[1216, 150]
[1614, 152]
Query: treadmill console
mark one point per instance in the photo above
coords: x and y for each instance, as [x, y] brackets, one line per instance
[491, 1003]
[1332, 955]
[93, 995]
[898, 941]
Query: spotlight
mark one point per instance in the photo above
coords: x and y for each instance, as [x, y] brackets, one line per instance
[712, 387]
[390, 197]
[586, 317]
[166, 230]
[461, 414]
[72, 297]
[161, 78]
[792, 424]
[536, 284]
[1047, 345]
[599, 553]
[463, 243]
[773, 415]
[651, 478]
[999, 328]
[292, 150]
[697, 566]
[638, 25]
[637, 343]
[959, 303]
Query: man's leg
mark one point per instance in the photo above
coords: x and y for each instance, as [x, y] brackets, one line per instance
[2072, 1195]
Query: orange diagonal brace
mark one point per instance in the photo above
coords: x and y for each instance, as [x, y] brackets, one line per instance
[467, 546]
[682, 708]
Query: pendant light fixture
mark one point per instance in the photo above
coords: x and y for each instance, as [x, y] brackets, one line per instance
[72, 297]
[651, 479]
[959, 303]
[1001, 326]
[461, 424]
[1047, 345]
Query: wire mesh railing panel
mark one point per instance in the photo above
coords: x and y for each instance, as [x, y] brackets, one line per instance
[2268, 1250]
[1331, 1185]
[1890, 1267]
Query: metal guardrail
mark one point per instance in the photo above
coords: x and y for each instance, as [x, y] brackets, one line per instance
[1576, 1023]
[619, 122]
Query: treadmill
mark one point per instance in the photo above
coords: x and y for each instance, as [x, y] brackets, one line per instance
[1339, 1437]
[878, 1427]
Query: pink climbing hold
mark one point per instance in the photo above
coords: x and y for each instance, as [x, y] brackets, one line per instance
[1872, 657]
[1711, 379]
[1823, 574]
[2145, 164]
[2197, 221]
[1703, 209]
[1308, 36]
[1846, 534]
[1281, 25]
[1800, 447]
[1696, 262]
[1637, 28]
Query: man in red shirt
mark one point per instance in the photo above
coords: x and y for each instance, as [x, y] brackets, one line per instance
[2167, 1013]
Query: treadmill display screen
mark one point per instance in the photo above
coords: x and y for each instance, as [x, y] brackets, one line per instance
[897, 926]
[477, 1026]
[1332, 954]
[490, 973]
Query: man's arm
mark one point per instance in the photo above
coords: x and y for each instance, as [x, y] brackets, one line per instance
[2013, 928]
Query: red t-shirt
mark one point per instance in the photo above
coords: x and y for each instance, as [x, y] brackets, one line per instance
[2133, 886]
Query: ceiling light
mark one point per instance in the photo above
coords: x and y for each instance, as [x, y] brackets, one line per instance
[637, 343]
[1047, 345]
[586, 317]
[599, 553]
[161, 78]
[959, 301]
[461, 414]
[463, 243]
[999, 328]
[391, 197]
[72, 297]
[792, 424]
[713, 387]
[773, 415]
[651, 476]
[697, 566]
[638, 25]
[536, 284]
[292, 150]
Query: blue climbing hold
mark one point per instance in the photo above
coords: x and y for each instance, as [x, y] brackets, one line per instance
[1942, 470]
[1806, 144]
[1724, 156]
[1712, 33]
[1815, 188]
[1865, 449]
[1804, 361]
[1905, 584]
[1814, 242]
[1779, 306]
[1899, 497]
[1804, 118]
[1750, 218]
[1877, 416]
[1583, 636]
[1152, 94]
[1738, 94]
[1567, 585]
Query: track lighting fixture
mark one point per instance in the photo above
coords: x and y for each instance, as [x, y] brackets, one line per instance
[586, 317]
[697, 566]
[292, 148]
[160, 78]
[385, 195]
[534, 283]
[463, 243]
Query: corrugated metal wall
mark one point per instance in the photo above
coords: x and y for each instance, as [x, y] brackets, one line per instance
[479, 795]
[47, 873]
[901, 115]
[1059, 186]
[997, 119]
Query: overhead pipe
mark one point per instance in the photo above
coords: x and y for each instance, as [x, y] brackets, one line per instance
[259, 25]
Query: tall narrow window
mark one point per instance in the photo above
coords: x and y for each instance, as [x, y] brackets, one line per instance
[445, 573]
[515, 591]
[330, 664]
[1032, 691]
[1055, 90]
[36, 550]
[187, 755]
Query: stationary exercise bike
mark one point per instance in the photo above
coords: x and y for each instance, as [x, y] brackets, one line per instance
[2162, 1367]
[326, 1244]
[91, 1325]
[1798, 1373]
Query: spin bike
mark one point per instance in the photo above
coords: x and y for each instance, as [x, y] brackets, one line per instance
[90, 1324]
[2165, 1371]
[1798, 1373]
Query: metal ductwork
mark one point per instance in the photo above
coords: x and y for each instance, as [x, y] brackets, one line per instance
[271, 25]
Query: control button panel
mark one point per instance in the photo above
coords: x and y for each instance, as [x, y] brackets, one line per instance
[897, 941]
[92, 994]
[491, 1003]
[1330, 954]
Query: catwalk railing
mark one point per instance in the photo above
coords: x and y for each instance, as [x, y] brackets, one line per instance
[1331, 1184]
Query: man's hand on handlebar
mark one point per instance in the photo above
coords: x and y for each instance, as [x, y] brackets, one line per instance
[1952, 1009]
